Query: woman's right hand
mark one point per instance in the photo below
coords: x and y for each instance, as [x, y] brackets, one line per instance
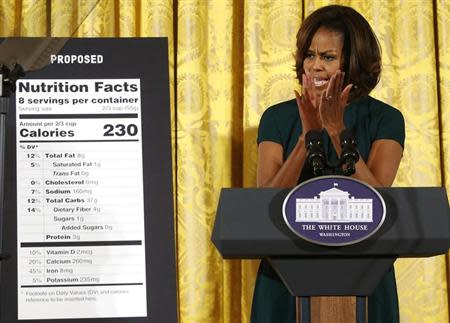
[273, 170]
[309, 114]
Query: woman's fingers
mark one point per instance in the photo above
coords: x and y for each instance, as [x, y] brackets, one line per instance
[323, 105]
[308, 114]
[303, 84]
[345, 94]
[309, 87]
[342, 81]
[333, 85]
[337, 87]
[331, 102]
[298, 98]
[330, 88]
[301, 104]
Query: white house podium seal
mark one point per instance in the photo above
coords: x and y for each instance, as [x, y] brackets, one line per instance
[334, 210]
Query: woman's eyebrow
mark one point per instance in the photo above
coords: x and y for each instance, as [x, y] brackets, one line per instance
[327, 51]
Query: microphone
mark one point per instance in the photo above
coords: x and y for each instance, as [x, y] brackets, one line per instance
[350, 154]
[316, 155]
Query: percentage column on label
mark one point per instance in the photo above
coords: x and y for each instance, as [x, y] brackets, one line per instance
[31, 194]
[34, 264]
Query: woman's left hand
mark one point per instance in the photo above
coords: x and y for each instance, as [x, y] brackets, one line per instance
[332, 104]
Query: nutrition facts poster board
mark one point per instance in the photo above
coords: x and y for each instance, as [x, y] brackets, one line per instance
[89, 208]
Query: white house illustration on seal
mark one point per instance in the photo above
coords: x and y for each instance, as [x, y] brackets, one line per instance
[333, 205]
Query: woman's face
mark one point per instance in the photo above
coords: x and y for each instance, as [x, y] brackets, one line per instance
[323, 58]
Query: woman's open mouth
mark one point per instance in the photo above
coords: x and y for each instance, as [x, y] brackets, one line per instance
[318, 82]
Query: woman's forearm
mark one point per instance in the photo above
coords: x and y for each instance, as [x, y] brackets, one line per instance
[363, 173]
[362, 170]
[289, 172]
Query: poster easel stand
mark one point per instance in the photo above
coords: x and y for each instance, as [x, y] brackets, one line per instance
[8, 80]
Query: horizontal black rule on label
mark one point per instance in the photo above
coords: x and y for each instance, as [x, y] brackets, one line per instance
[101, 140]
[80, 243]
[80, 116]
[80, 285]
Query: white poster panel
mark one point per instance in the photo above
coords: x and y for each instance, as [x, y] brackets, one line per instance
[80, 200]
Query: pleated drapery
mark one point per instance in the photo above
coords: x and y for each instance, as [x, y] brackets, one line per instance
[229, 60]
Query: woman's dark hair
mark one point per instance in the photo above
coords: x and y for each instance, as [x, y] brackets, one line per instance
[361, 50]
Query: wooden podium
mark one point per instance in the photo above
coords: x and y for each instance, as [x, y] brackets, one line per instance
[249, 224]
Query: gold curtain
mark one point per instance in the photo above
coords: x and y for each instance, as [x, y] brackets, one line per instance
[231, 59]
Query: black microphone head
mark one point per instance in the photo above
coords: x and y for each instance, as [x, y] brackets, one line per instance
[349, 154]
[348, 140]
[316, 155]
[313, 135]
[347, 134]
[313, 138]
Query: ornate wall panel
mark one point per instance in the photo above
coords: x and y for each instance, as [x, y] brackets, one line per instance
[157, 20]
[270, 29]
[443, 32]
[34, 18]
[208, 111]
[8, 18]
[103, 20]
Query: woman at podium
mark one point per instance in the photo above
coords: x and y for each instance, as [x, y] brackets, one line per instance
[338, 63]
